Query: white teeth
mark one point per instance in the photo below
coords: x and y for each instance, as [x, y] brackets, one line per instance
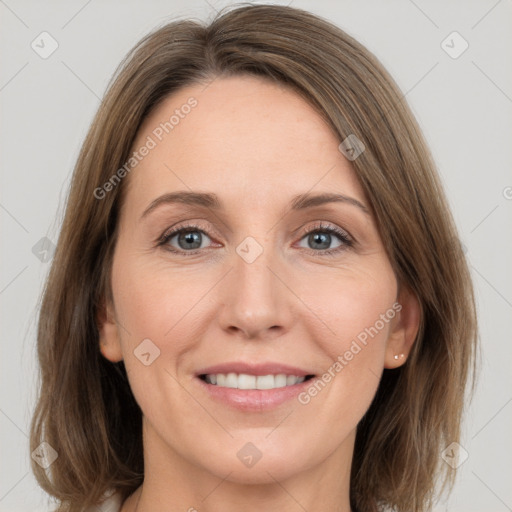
[245, 381]
[265, 382]
[290, 380]
[231, 380]
[280, 380]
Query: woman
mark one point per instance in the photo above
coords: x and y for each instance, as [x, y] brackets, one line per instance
[258, 300]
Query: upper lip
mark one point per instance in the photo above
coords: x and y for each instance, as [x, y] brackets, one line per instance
[254, 369]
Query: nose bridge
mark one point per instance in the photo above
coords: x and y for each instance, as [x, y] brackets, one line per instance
[255, 298]
[252, 261]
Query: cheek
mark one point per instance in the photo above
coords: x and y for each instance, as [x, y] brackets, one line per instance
[154, 301]
[358, 310]
[168, 307]
[356, 307]
[152, 304]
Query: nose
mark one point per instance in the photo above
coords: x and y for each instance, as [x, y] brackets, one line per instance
[256, 302]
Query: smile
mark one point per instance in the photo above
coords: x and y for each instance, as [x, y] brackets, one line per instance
[247, 381]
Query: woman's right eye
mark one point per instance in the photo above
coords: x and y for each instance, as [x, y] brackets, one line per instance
[188, 238]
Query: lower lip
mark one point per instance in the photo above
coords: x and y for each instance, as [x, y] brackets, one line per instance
[253, 399]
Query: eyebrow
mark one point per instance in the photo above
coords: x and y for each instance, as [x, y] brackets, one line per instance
[212, 201]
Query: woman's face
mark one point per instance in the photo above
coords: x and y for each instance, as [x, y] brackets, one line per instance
[263, 287]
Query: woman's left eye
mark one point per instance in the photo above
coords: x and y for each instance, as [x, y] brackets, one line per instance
[321, 237]
[190, 239]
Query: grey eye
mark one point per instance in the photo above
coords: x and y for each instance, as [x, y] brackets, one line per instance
[321, 240]
[189, 239]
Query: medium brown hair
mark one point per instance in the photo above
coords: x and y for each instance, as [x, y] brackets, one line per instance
[86, 410]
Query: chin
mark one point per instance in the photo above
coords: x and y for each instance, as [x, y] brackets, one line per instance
[244, 463]
[263, 472]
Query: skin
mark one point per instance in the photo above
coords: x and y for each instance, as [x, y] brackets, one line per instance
[255, 144]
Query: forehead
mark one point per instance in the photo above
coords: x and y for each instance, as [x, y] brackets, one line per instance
[246, 139]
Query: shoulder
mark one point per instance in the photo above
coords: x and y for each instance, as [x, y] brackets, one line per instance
[111, 503]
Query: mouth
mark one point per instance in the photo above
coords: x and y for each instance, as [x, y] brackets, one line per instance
[253, 387]
[248, 381]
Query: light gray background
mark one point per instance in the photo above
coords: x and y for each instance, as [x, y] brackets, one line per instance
[464, 106]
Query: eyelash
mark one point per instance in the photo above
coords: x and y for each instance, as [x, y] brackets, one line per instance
[346, 240]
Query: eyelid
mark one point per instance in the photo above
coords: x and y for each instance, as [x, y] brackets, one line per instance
[327, 226]
[347, 240]
[174, 229]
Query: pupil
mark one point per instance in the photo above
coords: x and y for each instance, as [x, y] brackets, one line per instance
[322, 239]
[190, 238]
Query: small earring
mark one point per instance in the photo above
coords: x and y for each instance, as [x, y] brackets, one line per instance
[397, 356]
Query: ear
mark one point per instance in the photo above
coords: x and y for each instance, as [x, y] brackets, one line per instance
[404, 329]
[110, 344]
